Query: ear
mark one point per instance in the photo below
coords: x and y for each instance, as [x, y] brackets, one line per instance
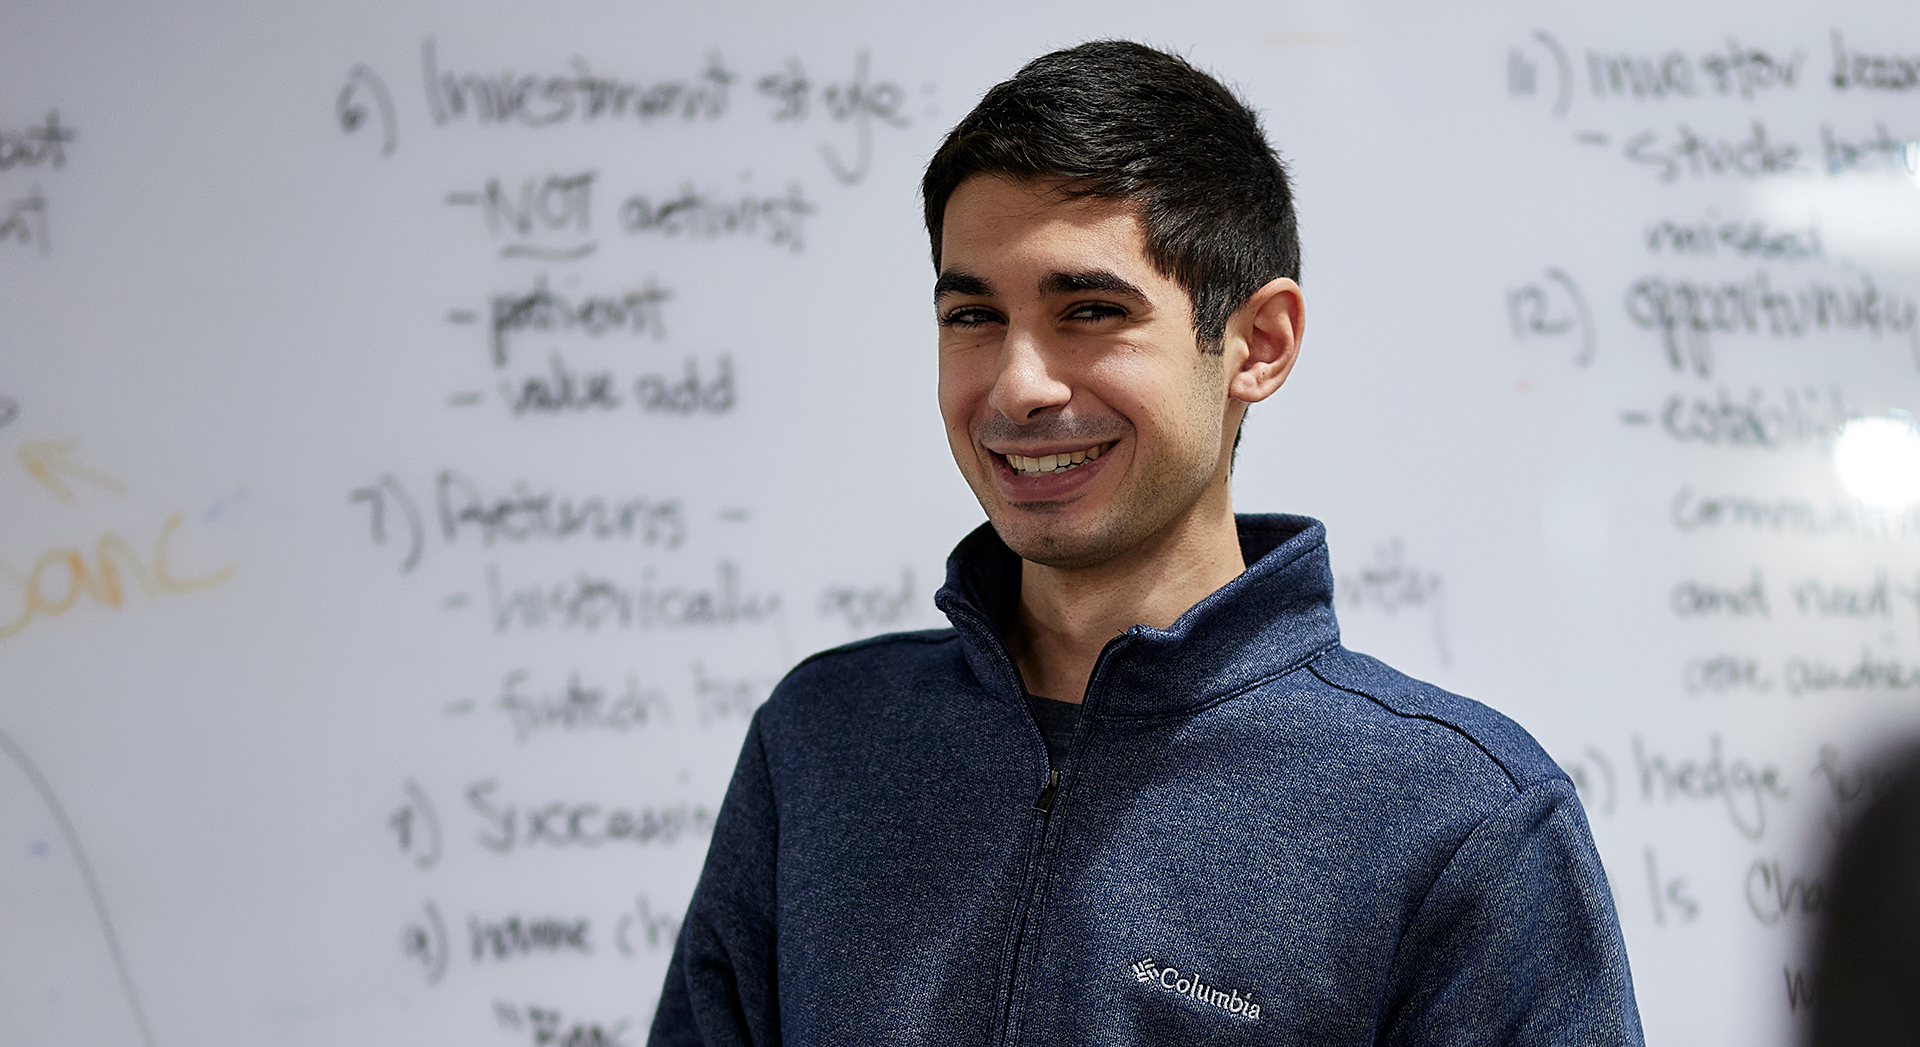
[1263, 340]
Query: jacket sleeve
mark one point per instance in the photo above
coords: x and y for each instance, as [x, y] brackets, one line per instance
[1517, 941]
[721, 988]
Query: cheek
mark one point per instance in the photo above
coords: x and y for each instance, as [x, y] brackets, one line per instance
[952, 404]
[963, 388]
[1154, 394]
[1178, 407]
[1207, 390]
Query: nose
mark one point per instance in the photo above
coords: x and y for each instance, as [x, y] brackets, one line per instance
[1029, 381]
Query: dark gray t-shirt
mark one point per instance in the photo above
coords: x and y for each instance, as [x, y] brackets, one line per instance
[1056, 719]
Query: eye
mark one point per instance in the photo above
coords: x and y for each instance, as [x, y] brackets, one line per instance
[1093, 312]
[969, 316]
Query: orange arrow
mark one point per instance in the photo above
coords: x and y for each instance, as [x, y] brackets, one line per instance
[44, 457]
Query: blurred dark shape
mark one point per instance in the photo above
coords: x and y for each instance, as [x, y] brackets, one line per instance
[1867, 955]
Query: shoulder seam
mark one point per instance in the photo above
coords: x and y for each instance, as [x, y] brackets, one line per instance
[1314, 668]
[929, 637]
[1519, 794]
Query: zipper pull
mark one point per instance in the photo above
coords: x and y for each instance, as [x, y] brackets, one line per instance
[1045, 803]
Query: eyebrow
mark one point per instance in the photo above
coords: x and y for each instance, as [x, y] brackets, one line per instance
[964, 282]
[961, 282]
[1090, 280]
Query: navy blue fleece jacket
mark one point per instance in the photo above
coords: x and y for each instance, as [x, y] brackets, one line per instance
[1257, 837]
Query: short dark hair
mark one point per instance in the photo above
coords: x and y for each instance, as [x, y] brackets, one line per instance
[1117, 119]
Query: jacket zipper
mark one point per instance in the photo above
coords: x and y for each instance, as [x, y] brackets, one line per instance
[1043, 805]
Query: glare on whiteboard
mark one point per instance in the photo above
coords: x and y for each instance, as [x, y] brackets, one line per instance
[1878, 459]
[1870, 218]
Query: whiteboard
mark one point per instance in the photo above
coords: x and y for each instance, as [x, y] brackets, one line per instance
[430, 429]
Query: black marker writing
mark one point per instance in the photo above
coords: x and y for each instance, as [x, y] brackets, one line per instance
[566, 824]
[40, 144]
[1879, 150]
[590, 602]
[564, 390]
[1554, 306]
[582, 96]
[1721, 673]
[867, 607]
[1817, 676]
[350, 106]
[1392, 584]
[540, 101]
[1799, 418]
[718, 698]
[1738, 69]
[426, 941]
[1693, 599]
[1689, 313]
[579, 707]
[554, 204]
[695, 215]
[520, 936]
[1743, 788]
[660, 928]
[1689, 152]
[24, 222]
[389, 490]
[1800, 989]
[1772, 895]
[1692, 511]
[1849, 785]
[547, 1027]
[1670, 894]
[525, 515]
[687, 392]
[1709, 237]
[1845, 601]
[1858, 70]
[634, 311]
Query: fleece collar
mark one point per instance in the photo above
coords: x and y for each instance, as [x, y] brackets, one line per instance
[1270, 619]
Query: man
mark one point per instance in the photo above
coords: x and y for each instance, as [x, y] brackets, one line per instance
[1138, 794]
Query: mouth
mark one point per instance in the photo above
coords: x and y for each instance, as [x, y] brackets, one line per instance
[1054, 463]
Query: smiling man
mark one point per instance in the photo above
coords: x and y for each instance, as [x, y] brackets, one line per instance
[1139, 793]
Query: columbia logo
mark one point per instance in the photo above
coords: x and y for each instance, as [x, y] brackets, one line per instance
[1169, 979]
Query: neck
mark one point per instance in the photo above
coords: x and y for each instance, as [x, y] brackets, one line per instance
[1067, 616]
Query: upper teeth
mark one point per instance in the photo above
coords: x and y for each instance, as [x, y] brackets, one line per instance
[1053, 463]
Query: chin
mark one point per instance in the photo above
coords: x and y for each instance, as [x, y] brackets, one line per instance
[1060, 547]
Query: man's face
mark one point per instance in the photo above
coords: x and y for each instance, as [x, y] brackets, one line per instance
[1077, 402]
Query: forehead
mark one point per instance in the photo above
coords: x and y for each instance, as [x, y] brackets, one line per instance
[995, 223]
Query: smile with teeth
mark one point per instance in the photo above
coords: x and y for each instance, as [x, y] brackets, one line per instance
[1053, 463]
